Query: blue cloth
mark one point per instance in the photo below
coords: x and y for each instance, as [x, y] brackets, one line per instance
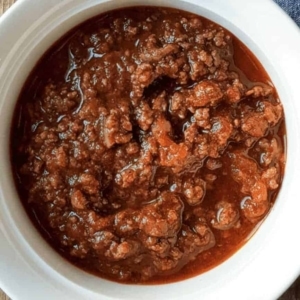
[292, 7]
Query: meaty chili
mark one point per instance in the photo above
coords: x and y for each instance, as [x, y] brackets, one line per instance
[147, 145]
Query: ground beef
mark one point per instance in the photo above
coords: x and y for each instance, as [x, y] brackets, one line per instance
[143, 150]
[226, 216]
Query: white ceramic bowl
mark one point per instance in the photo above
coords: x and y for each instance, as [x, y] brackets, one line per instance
[262, 269]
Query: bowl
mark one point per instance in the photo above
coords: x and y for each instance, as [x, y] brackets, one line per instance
[262, 269]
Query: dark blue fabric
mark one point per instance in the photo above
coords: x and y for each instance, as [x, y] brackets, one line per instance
[292, 7]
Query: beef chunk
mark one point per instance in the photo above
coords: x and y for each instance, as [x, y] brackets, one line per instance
[226, 216]
[246, 172]
[205, 93]
[256, 123]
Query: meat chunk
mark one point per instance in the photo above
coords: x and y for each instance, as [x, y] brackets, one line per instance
[197, 67]
[178, 105]
[271, 177]
[213, 141]
[160, 102]
[160, 219]
[213, 164]
[205, 93]
[194, 190]
[191, 133]
[78, 200]
[58, 100]
[202, 147]
[125, 222]
[272, 113]
[116, 129]
[226, 216]
[144, 115]
[126, 177]
[235, 92]
[57, 159]
[202, 118]
[256, 123]
[259, 191]
[271, 151]
[108, 245]
[192, 242]
[254, 210]
[170, 153]
[259, 91]
[246, 172]
[174, 156]
[219, 134]
[161, 130]
[153, 54]
[206, 58]
[166, 263]
[122, 250]
[163, 218]
[89, 183]
[143, 76]
[221, 130]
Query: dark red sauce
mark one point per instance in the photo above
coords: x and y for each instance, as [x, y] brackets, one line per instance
[147, 145]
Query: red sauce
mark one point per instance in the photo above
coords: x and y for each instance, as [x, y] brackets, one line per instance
[147, 145]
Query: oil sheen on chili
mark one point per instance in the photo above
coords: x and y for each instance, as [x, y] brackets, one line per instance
[147, 145]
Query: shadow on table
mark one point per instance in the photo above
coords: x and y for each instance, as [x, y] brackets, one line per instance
[293, 293]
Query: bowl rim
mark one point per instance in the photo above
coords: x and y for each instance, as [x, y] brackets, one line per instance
[289, 33]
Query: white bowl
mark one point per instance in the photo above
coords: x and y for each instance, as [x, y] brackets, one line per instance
[270, 260]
